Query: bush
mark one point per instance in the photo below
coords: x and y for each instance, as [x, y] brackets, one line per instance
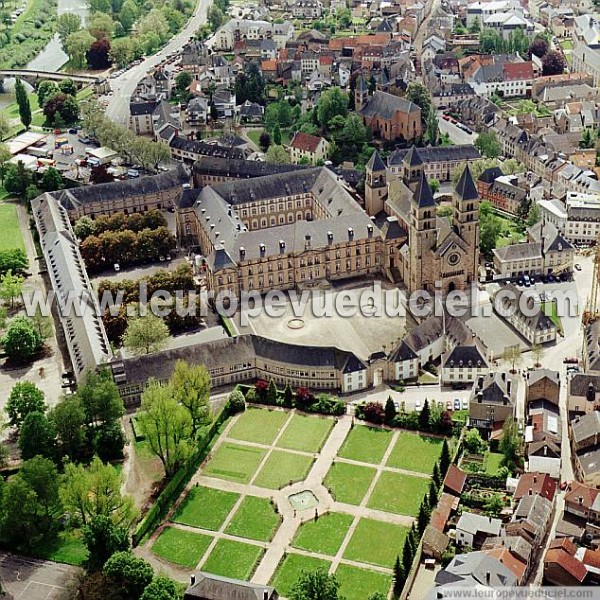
[374, 413]
[236, 402]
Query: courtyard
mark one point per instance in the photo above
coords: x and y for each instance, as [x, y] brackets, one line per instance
[283, 492]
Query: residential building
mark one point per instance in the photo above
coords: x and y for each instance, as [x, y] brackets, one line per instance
[197, 111]
[586, 59]
[236, 30]
[465, 363]
[583, 394]
[305, 147]
[585, 431]
[542, 384]
[505, 192]
[531, 519]
[535, 484]
[478, 12]
[140, 117]
[206, 586]
[591, 348]
[579, 500]
[492, 401]
[189, 151]
[472, 530]
[561, 568]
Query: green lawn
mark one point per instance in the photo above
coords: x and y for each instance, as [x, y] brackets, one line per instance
[67, 548]
[254, 135]
[290, 569]
[325, 535]
[349, 483]
[11, 237]
[258, 425]
[181, 547]
[415, 453]
[306, 433]
[234, 462]
[400, 494]
[358, 584]
[366, 444]
[376, 543]
[206, 508]
[255, 519]
[551, 312]
[233, 559]
[492, 462]
[282, 467]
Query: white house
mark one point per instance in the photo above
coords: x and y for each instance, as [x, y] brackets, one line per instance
[472, 530]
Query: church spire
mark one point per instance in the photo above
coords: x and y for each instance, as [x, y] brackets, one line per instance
[465, 188]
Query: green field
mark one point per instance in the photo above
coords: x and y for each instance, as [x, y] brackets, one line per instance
[290, 569]
[233, 559]
[366, 444]
[206, 508]
[258, 425]
[67, 548]
[415, 453]
[358, 584]
[305, 433]
[254, 135]
[376, 543]
[325, 535]
[11, 237]
[400, 494]
[349, 483]
[493, 461]
[181, 547]
[234, 462]
[282, 467]
[255, 519]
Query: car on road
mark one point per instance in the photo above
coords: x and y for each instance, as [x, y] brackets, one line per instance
[117, 267]
[417, 405]
[456, 404]
[577, 267]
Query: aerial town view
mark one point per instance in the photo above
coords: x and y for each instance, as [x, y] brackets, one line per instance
[299, 299]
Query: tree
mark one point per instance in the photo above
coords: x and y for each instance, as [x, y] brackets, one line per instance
[264, 141]
[433, 129]
[37, 437]
[67, 24]
[161, 588]
[122, 51]
[98, 55]
[11, 287]
[512, 354]
[434, 186]
[418, 94]
[250, 85]
[436, 476]
[425, 416]
[67, 86]
[272, 393]
[215, 17]
[399, 578]
[129, 573]
[101, 25]
[236, 402]
[25, 397]
[332, 102]
[76, 47]
[190, 385]
[422, 518]
[553, 63]
[17, 179]
[146, 334]
[45, 89]
[21, 339]
[23, 103]
[537, 350]
[84, 227]
[534, 215]
[490, 228]
[445, 459]
[183, 81]
[68, 419]
[102, 539]
[473, 442]
[278, 154]
[539, 47]
[4, 127]
[14, 261]
[407, 555]
[315, 585]
[166, 425]
[61, 105]
[433, 494]
[51, 180]
[100, 399]
[128, 14]
[510, 444]
[277, 135]
[487, 143]
[390, 411]
[494, 505]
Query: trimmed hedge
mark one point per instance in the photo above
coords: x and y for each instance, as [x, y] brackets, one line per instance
[135, 427]
[177, 484]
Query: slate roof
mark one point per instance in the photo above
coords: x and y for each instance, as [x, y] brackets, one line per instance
[523, 251]
[411, 157]
[423, 196]
[589, 461]
[476, 568]
[242, 169]
[375, 163]
[490, 175]
[592, 337]
[474, 524]
[137, 109]
[585, 426]
[204, 149]
[580, 383]
[466, 356]
[214, 587]
[436, 154]
[465, 188]
[385, 106]
[495, 389]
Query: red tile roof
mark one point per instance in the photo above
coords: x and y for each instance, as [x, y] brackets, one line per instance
[269, 65]
[578, 491]
[305, 141]
[569, 563]
[565, 544]
[441, 514]
[455, 480]
[591, 558]
[326, 60]
[536, 483]
[510, 561]
[522, 71]
[382, 39]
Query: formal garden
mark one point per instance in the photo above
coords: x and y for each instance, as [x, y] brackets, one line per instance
[360, 490]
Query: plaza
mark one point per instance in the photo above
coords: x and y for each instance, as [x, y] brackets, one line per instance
[283, 492]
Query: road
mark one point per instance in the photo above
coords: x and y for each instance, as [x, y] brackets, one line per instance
[123, 86]
[457, 136]
[431, 7]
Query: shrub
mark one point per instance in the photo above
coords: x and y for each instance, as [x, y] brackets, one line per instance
[236, 402]
[374, 413]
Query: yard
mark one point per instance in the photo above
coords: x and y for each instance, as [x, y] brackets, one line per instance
[358, 584]
[399, 494]
[233, 559]
[325, 535]
[181, 547]
[348, 483]
[255, 519]
[11, 232]
[415, 453]
[366, 444]
[206, 508]
[283, 468]
[234, 462]
[305, 433]
[290, 569]
[492, 461]
[254, 135]
[258, 425]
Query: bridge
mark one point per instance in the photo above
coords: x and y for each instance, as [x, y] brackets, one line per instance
[34, 77]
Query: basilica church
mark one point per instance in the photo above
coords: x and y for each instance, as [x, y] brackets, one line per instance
[428, 252]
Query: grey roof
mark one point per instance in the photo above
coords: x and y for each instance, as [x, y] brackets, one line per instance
[466, 356]
[137, 109]
[465, 188]
[214, 587]
[473, 523]
[535, 510]
[590, 461]
[491, 174]
[403, 352]
[552, 238]
[430, 330]
[517, 545]
[385, 106]
[476, 568]
[580, 383]
[204, 149]
[361, 84]
[585, 426]
[411, 157]
[375, 163]
[423, 196]
[522, 251]
[539, 374]
[436, 154]
[495, 389]
[535, 322]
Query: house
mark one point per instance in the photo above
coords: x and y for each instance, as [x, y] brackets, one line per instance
[454, 482]
[465, 363]
[224, 101]
[531, 519]
[518, 547]
[561, 567]
[591, 562]
[250, 112]
[474, 569]
[542, 384]
[205, 586]
[591, 348]
[306, 147]
[434, 542]
[506, 192]
[140, 117]
[587, 466]
[472, 530]
[236, 30]
[543, 436]
[536, 484]
[579, 499]
[583, 394]
[586, 59]
[492, 401]
[511, 562]
[585, 431]
[197, 111]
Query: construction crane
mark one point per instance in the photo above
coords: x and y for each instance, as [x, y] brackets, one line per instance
[592, 310]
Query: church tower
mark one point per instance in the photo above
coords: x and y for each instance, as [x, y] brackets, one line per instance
[375, 184]
[361, 94]
[465, 221]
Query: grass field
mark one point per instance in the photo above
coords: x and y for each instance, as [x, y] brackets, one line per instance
[206, 508]
[254, 135]
[358, 584]
[11, 237]
[258, 425]
[400, 494]
[366, 444]
[233, 559]
[415, 453]
[376, 543]
[305, 433]
[325, 535]
[181, 547]
[290, 568]
[255, 519]
[349, 483]
[493, 462]
[282, 467]
[67, 548]
[234, 462]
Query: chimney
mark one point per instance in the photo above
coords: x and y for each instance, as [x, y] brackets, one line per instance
[487, 578]
[508, 386]
[242, 253]
[370, 230]
[329, 238]
[503, 376]
[350, 233]
[192, 579]
[480, 382]
[281, 247]
[535, 479]
[262, 249]
[265, 594]
[480, 397]
[505, 400]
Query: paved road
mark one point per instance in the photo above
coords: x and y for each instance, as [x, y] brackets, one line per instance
[457, 136]
[123, 86]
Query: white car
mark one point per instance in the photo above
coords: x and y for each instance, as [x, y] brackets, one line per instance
[117, 267]
[418, 405]
[465, 404]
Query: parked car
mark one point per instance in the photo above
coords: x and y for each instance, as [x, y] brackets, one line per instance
[449, 405]
[577, 267]
[465, 403]
[117, 267]
[456, 404]
[417, 405]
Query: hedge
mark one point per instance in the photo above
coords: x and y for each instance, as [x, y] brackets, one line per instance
[177, 484]
[135, 427]
[322, 403]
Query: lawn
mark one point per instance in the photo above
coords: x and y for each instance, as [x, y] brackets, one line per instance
[550, 311]
[290, 569]
[358, 584]
[348, 483]
[376, 543]
[258, 425]
[306, 433]
[11, 232]
[255, 519]
[400, 494]
[67, 548]
[254, 135]
[493, 462]
[366, 444]
[282, 467]
[234, 462]
[206, 508]
[415, 453]
[181, 547]
[233, 559]
[325, 535]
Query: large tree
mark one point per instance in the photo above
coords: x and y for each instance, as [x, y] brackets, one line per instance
[332, 102]
[25, 397]
[67, 24]
[553, 63]
[190, 385]
[21, 340]
[11, 287]
[510, 445]
[76, 47]
[418, 94]
[278, 154]
[23, 103]
[98, 55]
[37, 437]
[315, 585]
[146, 334]
[487, 143]
[17, 179]
[161, 588]
[129, 574]
[68, 419]
[102, 539]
